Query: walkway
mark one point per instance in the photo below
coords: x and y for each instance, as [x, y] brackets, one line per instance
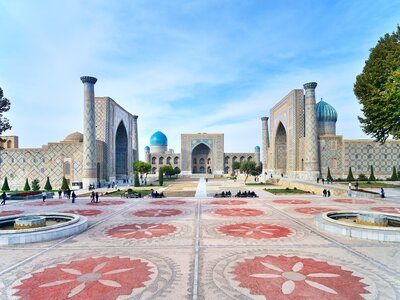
[201, 191]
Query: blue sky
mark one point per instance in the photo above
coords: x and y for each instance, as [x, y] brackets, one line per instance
[183, 66]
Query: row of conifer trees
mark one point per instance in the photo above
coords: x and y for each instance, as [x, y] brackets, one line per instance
[35, 186]
[362, 177]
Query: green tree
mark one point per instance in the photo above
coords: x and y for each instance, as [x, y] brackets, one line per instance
[372, 176]
[394, 175]
[27, 187]
[48, 186]
[5, 185]
[377, 89]
[35, 185]
[136, 181]
[235, 166]
[64, 185]
[247, 167]
[329, 176]
[350, 176]
[4, 122]
[160, 177]
[177, 171]
[168, 170]
[143, 168]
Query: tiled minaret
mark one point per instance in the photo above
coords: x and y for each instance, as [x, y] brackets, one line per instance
[265, 141]
[257, 155]
[89, 175]
[311, 163]
[135, 139]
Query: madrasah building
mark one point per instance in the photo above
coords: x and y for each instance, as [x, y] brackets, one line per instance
[298, 140]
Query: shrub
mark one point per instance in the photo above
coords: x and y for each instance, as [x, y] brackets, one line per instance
[372, 176]
[5, 185]
[394, 175]
[130, 191]
[27, 187]
[48, 186]
[350, 176]
[329, 176]
[64, 185]
[35, 184]
[160, 177]
[136, 180]
[362, 177]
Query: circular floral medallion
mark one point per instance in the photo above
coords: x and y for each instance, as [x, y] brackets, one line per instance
[106, 203]
[291, 201]
[284, 277]
[354, 201]
[229, 202]
[157, 212]
[255, 231]
[313, 210]
[84, 212]
[141, 231]
[391, 210]
[46, 203]
[90, 278]
[5, 213]
[238, 212]
[168, 202]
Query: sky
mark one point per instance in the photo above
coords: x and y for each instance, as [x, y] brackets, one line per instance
[183, 66]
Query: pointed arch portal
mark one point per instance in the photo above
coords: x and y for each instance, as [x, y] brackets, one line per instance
[201, 154]
[121, 152]
[281, 148]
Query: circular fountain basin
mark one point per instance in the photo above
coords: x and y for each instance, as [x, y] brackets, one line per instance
[361, 224]
[29, 222]
[57, 225]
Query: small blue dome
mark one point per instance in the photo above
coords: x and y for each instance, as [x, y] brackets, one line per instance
[325, 112]
[158, 139]
[257, 147]
[147, 148]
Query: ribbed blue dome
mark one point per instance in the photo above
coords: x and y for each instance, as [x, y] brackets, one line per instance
[147, 148]
[158, 139]
[325, 112]
[257, 147]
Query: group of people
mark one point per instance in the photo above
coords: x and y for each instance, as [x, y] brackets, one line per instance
[156, 194]
[326, 193]
[223, 194]
[328, 180]
[246, 194]
[94, 196]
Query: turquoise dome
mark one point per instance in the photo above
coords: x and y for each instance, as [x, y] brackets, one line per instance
[147, 148]
[257, 147]
[325, 112]
[158, 139]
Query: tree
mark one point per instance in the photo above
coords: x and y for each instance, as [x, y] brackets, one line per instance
[136, 181]
[372, 176]
[329, 176]
[177, 171]
[48, 186]
[160, 177]
[168, 170]
[377, 89]
[27, 187]
[143, 168]
[64, 185]
[394, 174]
[247, 167]
[350, 176]
[235, 166]
[4, 107]
[35, 185]
[5, 185]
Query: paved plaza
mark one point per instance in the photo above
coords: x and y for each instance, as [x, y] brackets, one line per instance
[202, 248]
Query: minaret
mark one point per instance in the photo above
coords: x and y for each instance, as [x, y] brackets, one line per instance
[257, 155]
[265, 141]
[311, 163]
[89, 174]
[147, 154]
[135, 140]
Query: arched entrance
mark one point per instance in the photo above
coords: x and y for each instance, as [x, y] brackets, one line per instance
[200, 155]
[121, 152]
[281, 148]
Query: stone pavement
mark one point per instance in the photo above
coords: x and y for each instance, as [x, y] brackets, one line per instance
[202, 248]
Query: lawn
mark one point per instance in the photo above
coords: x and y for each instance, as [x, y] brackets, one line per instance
[258, 183]
[122, 192]
[286, 191]
[371, 185]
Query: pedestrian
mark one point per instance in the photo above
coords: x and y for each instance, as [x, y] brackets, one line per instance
[73, 197]
[356, 185]
[59, 194]
[328, 193]
[350, 186]
[3, 198]
[97, 197]
[323, 181]
[382, 193]
[92, 197]
[324, 192]
[317, 179]
[44, 195]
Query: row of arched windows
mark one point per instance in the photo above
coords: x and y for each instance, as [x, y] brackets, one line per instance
[235, 158]
[161, 160]
[202, 161]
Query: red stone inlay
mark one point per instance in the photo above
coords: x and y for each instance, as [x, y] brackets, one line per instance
[141, 231]
[47, 203]
[314, 210]
[238, 212]
[354, 201]
[157, 212]
[90, 278]
[290, 201]
[168, 202]
[106, 203]
[84, 212]
[283, 277]
[5, 213]
[229, 202]
[255, 231]
[391, 210]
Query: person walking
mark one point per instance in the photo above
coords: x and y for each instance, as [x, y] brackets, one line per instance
[382, 193]
[59, 194]
[92, 196]
[328, 193]
[44, 195]
[324, 192]
[73, 196]
[3, 198]
[97, 197]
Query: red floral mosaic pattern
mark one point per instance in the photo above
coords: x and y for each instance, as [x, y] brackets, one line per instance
[90, 278]
[47, 203]
[84, 212]
[168, 202]
[283, 277]
[5, 213]
[229, 202]
[290, 201]
[354, 201]
[255, 231]
[157, 212]
[314, 210]
[141, 231]
[238, 212]
[106, 203]
[391, 210]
